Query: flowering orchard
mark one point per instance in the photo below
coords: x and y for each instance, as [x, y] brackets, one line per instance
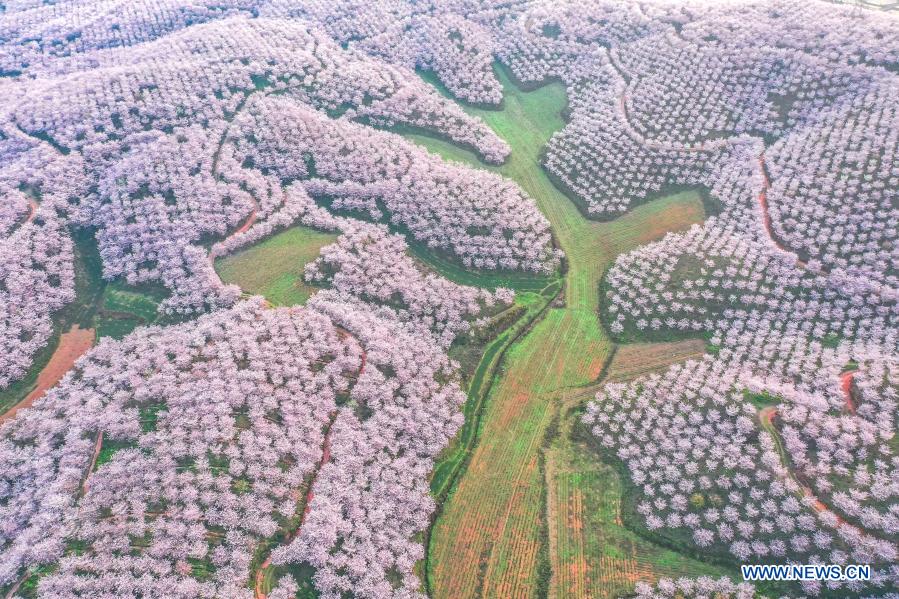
[177, 460]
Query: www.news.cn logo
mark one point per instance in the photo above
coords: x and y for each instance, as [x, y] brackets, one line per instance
[800, 573]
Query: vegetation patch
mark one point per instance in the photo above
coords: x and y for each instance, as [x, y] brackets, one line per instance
[274, 267]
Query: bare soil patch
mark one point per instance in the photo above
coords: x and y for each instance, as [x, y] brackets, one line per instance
[72, 345]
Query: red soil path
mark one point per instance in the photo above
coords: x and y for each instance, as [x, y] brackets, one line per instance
[763, 199]
[32, 205]
[243, 228]
[656, 145]
[15, 589]
[846, 385]
[326, 456]
[247, 223]
[72, 345]
[766, 216]
[767, 415]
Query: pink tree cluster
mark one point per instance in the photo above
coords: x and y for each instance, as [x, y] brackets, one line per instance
[836, 33]
[456, 43]
[137, 143]
[206, 72]
[263, 386]
[372, 498]
[36, 253]
[222, 421]
[712, 278]
[604, 161]
[694, 588]
[159, 180]
[483, 219]
[155, 203]
[666, 97]
[821, 467]
[568, 40]
[373, 265]
[708, 475]
[849, 461]
[225, 427]
[36, 279]
[835, 185]
[47, 38]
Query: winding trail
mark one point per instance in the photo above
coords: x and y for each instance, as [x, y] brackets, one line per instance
[626, 82]
[15, 588]
[251, 219]
[32, 207]
[72, 345]
[217, 250]
[766, 214]
[325, 458]
[766, 419]
[763, 200]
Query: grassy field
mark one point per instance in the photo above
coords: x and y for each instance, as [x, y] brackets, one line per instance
[490, 537]
[452, 458]
[124, 308]
[274, 267]
[636, 359]
[593, 554]
[487, 540]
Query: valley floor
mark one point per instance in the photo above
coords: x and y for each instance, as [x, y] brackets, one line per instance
[534, 512]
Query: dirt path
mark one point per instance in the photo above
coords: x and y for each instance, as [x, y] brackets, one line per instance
[326, 457]
[217, 250]
[15, 588]
[87, 475]
[766, 417]
[32, 206]
[363, 358]
[702, 147]
[846, 386]
[247, 223]
[763, 199]
[642, 139]
[72, 345]
[766, 215]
